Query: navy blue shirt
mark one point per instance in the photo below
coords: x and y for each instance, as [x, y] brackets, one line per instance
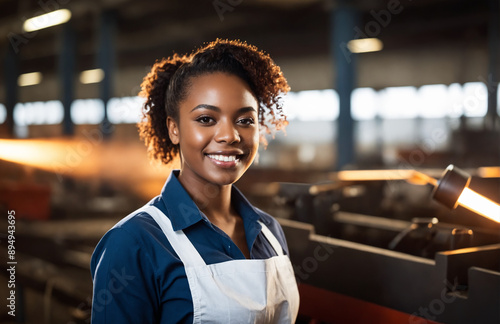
[138, 277]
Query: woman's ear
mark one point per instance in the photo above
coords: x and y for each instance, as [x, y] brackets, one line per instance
[173, 130]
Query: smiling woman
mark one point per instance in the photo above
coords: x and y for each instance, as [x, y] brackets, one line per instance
[223, 130]
[200, 252]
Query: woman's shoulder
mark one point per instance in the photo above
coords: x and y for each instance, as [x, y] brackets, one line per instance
[134, 235]
[136, 223]
[134, 227]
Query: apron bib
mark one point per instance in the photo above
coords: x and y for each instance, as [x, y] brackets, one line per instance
[236, 291]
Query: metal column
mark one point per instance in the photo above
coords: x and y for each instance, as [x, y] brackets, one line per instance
[11, 90]
[67, 76]
[105, 61]
[493, 49]
[343, 22]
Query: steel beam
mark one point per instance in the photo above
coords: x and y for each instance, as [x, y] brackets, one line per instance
[11, 69]
[105, 61]
[343, 23]
[67, 62]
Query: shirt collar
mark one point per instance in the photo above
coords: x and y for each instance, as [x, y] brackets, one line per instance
[183, 212]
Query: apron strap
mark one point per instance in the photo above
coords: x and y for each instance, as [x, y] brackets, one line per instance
[183, 246]
[178, 240]
[272, 239]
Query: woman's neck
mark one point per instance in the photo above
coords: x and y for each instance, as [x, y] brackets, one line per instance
[213, 200]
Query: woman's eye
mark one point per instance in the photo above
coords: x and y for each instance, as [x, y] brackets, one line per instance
[205, 120]
[246, 121]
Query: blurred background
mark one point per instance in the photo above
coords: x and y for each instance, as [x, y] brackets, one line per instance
[399, 84]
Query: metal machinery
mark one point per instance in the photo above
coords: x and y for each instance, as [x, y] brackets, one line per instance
[375, 250]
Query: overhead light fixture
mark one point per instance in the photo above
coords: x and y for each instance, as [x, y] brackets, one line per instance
[452, 190]
[365, 45]
[28, 79]
[47, 20]
[92, 76]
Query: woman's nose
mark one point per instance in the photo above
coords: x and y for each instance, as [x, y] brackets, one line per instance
[227, 133]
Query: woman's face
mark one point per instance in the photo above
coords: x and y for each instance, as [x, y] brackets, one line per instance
[217, 130]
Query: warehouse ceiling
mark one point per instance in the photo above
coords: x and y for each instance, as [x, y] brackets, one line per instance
[289, 30]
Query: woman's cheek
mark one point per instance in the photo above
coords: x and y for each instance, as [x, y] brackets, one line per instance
[198, 135]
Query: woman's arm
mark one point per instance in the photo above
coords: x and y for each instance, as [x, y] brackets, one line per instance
[123, 276]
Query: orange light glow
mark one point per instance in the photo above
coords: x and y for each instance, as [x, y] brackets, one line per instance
[50, 155]
[412, 176]
[489, 172]
[372, 175]
[479, 204]
[88, 156]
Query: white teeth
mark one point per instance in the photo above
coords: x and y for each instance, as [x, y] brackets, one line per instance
[223, 158]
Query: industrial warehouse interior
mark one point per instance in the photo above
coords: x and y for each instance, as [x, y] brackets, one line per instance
[386, 180]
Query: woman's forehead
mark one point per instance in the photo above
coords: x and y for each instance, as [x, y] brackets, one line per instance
[220, 90]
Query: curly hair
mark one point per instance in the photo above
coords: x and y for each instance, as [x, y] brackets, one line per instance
[168, 82]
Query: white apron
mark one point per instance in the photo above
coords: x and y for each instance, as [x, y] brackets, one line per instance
[237, 291]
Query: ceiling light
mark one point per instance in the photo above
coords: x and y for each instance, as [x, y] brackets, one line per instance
[47, 20]
[28, 79]
[365, 45]
[91, 76]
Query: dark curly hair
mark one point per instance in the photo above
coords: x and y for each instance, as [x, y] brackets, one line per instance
[168, 83]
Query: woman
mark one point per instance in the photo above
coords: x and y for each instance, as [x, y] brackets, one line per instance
[200, 252]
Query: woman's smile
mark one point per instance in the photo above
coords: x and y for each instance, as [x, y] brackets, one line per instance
[226, 159]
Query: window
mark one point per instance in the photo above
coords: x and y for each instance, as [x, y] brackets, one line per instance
[456, 95]
[364, 103]
[433, 101]
[125, 110]
[312, 105]
[38, 113]
[498, 99]
[475, 100]
[87, 111]
[3, 113]
[398, 102]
